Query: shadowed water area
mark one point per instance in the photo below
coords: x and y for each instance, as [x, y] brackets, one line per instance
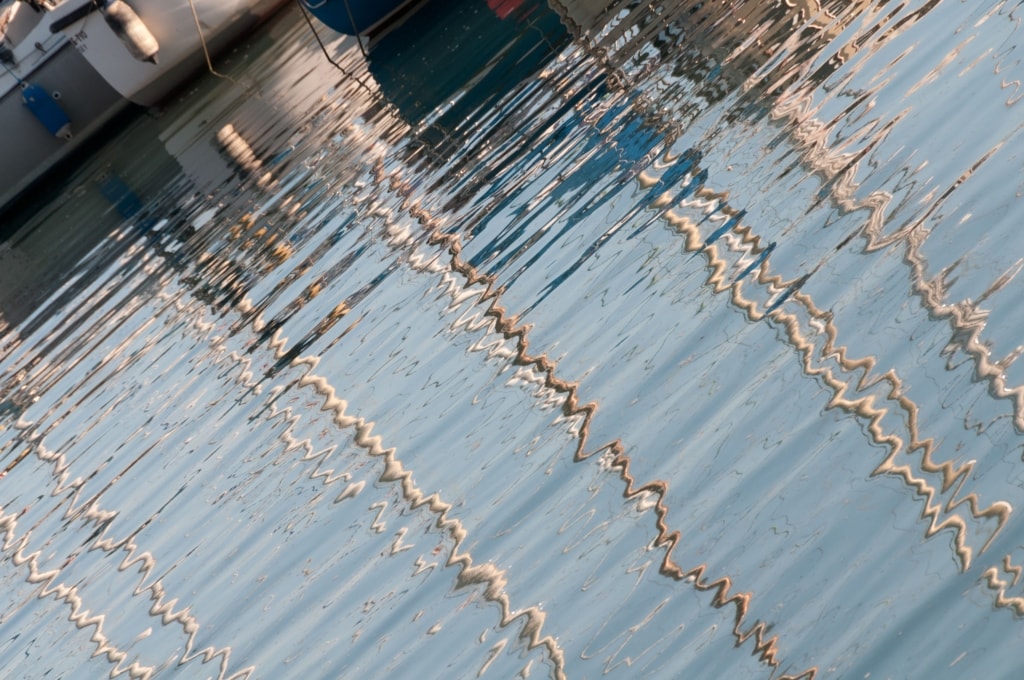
[552, 340]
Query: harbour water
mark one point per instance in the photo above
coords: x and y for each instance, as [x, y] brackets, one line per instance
[562, 339]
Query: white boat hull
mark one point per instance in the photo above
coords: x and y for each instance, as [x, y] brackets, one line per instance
[181, 48]
[27, 148]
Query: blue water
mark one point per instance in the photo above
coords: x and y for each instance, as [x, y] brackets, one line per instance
[601, 339]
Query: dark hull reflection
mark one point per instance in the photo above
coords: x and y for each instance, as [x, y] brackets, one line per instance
[444, 93]
[45, 247]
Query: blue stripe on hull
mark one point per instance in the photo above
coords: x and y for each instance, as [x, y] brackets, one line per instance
[352, 17]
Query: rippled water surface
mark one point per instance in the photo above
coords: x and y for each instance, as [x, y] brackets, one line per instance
[587, 339]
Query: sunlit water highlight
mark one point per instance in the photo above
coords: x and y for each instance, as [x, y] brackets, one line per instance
[570, 341]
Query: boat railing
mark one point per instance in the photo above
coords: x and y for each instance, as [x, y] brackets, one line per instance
[17, 22]
[26, 40]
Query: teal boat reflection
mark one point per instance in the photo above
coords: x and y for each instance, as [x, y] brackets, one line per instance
[490, 46]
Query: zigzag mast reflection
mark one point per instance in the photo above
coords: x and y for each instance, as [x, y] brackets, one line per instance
[838, 170]
[953, 477]
[781, 293]
[784, 294]
[88, 512]
[792, 83]
[500, 322]
[776, 61]
[494, 580]
[487, 575]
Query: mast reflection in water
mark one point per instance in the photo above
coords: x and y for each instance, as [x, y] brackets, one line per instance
[546, 340]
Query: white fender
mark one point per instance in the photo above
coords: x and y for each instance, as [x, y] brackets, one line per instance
[132, 31]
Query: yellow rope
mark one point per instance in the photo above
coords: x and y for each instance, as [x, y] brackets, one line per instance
[206, 51]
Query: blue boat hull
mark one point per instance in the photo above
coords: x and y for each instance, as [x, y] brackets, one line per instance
[352, 17]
